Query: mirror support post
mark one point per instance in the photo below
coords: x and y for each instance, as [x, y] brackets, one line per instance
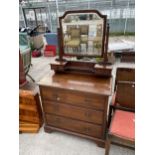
[59, 44]
[106, 44]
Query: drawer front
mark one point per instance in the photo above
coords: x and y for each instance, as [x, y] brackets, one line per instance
[74, 125]
[73, 97]
[27, 115]
[74, 112]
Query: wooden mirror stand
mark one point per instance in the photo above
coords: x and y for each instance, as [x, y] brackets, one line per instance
[80, 62]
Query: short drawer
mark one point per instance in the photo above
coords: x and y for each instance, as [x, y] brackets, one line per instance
[74, 112]
[74, 97]
[74, 125]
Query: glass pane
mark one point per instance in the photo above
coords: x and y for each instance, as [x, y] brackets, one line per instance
[83, 33]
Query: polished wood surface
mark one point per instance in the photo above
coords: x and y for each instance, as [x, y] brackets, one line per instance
[76, 104]
[30, 113]
[125, 95]
[74, 125]
[89, 115]
[87, 84]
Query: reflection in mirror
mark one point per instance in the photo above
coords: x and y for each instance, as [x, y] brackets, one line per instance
[82, 34]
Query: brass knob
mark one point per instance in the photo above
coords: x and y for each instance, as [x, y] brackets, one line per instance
[58, 98]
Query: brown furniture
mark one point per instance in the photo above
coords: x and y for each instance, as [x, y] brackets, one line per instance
[84, 26]
[30, 114]
[122, 108]
[75, 97]
[122, 130]
[123, 98]
[128, 56]
[63, 64]
[125, 74]
[76, 104]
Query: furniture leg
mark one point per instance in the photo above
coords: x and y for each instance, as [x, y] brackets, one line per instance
[107, 146]
[109, 115]
[48, 130]
[100, 144]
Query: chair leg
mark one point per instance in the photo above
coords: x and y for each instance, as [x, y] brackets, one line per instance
[107, 147]
[110, 115]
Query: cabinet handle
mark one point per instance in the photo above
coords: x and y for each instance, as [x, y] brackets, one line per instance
[58, 98]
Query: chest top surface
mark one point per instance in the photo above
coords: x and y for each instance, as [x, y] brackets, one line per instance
[85, 83]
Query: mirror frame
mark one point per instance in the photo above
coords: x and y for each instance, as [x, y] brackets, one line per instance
[61, 38]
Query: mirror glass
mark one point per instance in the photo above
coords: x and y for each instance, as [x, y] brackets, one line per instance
[82, 34]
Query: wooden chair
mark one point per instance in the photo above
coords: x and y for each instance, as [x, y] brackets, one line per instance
[123, 98]
[121, 128]
[122, 74]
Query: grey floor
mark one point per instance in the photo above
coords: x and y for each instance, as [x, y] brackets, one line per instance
[58, 143]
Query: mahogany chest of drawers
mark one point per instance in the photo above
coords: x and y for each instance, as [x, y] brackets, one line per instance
[76, 104]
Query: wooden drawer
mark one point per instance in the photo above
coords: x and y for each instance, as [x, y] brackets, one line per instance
[74, 112]
[25, 115]
[74, 125]
[73, 97]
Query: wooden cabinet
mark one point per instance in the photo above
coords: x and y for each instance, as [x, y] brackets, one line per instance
[76, 104]
[30, 113]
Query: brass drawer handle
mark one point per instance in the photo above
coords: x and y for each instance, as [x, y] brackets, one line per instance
[56, 97]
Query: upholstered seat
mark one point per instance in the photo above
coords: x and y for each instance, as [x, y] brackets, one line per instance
[123, 125]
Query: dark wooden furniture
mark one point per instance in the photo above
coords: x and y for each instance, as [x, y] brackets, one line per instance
[30, 113]
[122, 108]
[76, 104]
[128, 56]
[101, 20]
[127, 77]
[122, 130]
[123, 98]
[63, 64]
[124, 74]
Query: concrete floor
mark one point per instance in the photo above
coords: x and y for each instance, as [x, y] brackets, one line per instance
[58, 143]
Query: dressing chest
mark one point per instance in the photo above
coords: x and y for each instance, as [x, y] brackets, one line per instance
[76, 104]
[75, 94]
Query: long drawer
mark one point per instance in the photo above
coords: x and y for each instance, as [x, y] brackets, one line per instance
[74, 125]
[73, 97]
[74, 112]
